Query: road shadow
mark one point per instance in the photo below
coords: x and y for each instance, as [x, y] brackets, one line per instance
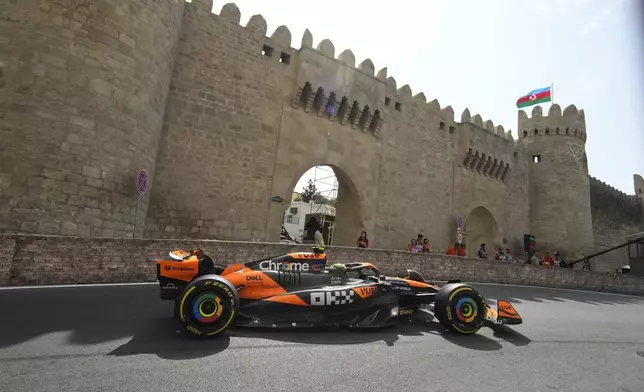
[541, 294]
[182, 345]
[96, 315]
[92, 314]
[161, 337]
[418, 325]
[510, 335]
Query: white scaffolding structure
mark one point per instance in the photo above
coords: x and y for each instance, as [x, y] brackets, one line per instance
[326, 183]
[324, 175]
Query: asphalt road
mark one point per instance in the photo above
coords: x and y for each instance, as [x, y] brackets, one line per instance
[121, 338]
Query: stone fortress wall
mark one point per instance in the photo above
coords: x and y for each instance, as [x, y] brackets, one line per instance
[615, 215]
[225, 120]
[258, 113]
[83, 90]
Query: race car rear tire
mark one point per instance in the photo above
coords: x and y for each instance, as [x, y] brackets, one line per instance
[459, 308]
[208, 306]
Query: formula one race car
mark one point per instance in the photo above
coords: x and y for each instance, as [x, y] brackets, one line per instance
[299, 290]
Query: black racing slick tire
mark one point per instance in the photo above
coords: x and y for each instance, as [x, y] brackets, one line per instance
[460, 308]
[208, 306]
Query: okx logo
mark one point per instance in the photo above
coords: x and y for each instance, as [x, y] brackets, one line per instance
[339, 297]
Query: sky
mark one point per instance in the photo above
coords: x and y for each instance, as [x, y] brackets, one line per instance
[484, 55]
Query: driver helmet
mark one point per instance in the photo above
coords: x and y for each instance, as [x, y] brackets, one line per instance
[337, 267]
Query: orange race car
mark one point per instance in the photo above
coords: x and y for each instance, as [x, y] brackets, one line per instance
[299, 290]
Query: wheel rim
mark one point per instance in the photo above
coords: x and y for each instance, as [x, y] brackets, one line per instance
[207, 308]
[467, 310]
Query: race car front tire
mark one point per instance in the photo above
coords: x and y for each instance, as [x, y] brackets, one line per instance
[208, 306]
[459, 308]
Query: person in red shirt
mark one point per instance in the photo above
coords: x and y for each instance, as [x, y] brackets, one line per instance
[460, 250]
[451, 250]
[363, 241]
[426, 248]
[547, 260]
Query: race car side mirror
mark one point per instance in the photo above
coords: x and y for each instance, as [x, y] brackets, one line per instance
[383, 278]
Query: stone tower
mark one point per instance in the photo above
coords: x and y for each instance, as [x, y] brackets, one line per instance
[638, 182]
[560, 212]
[83, 88]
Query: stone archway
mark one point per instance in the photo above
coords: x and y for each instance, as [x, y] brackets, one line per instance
[481, 228]
[349, 218]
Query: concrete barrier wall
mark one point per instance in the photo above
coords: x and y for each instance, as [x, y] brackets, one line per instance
[42, 260]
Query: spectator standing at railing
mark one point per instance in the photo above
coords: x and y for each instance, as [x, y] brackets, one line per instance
[319, 237]
[419, 240]
[482, 252]
[363, 241]
[426, 248]
[547, 260]
[413, 246]
[460, 250]
[534, 259]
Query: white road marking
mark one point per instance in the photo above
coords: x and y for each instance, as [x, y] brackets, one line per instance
[554, 288]
[65, 286]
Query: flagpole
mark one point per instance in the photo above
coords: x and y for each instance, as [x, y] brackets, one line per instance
[552, 93]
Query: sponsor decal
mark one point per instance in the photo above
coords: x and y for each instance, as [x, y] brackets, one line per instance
[253, 277]
[336, 280]
[170, 286]
[404, 288]
[340, 297]
[291, 266]
[307, 256]
[406, 312]
[193, 329]
[505, 308]
[494, 320]
[220, 285]
[367, 291]
[175, 268]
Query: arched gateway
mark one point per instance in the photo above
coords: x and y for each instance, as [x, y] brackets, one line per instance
[481, 228]
[349, 218]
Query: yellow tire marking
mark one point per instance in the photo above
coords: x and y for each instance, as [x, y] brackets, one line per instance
[183, 300]
[448, 309]
[458, 291]
[230, 319]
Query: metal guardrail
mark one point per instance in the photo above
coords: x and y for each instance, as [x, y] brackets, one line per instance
[586, 259]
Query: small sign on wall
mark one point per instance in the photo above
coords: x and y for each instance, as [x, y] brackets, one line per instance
[142, 182]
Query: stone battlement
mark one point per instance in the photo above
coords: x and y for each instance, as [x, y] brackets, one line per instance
[333, 99]
[613, 201]
[571, 122]
[486, 125]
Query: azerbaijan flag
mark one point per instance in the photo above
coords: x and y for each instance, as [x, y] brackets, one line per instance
[534, 97]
